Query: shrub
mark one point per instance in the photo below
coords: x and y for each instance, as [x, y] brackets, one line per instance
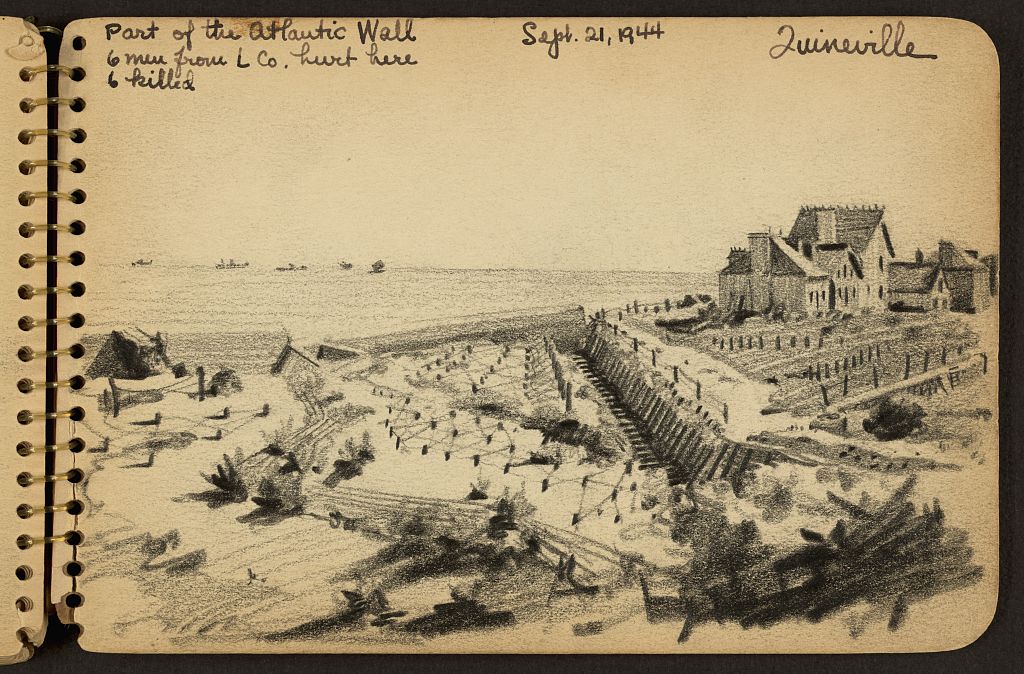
[894, 418]
[224, 383]
[228, 481]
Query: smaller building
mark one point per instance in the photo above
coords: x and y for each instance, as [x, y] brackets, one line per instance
[917, 286]
[951, 279]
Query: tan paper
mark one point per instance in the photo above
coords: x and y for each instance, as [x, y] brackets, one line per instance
[22, 605]
[535, 335]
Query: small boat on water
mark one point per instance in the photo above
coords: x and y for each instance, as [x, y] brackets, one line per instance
[377, 267]
[292, 267]
[142, 263]
[345, 265]
[230, 264]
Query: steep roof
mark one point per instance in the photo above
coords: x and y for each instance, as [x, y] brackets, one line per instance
[739, 262]
[912, 277]
[951, 256]
[786, 261]
[832, 256]
[854, 226]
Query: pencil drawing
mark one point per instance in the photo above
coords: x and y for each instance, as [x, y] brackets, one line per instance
[752, 456]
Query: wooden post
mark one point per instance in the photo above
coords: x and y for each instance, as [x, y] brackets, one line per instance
[675, 374]
[636, 307]
[874, 375]
[730, 343]
[846, 384]
[698, 390]
[778, 342]
[943, 355]
[201, 375]
[925, 368]
[568, 397]
[824, 395]
[636, 344]
[760, 342]
[115, 396]
[725, 412]
[906, 370]
[620, 318]
[654, 358]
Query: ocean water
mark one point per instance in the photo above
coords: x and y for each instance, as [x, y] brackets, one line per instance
[323, 303]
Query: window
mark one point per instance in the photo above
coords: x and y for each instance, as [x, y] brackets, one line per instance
[810, 297]
[844, 271]
[880, 265]
[879, 291]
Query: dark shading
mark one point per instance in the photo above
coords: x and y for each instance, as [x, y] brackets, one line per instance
[276, 501]
[154, 547]
[353, 616]
[894, 418]
[461, 614]
[352, 461]
[224, 383]
[230, 488]
[601, 446]
[889, 556]
[129, 354]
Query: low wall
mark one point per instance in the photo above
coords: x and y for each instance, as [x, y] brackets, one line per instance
[566, 327]
[682, 436]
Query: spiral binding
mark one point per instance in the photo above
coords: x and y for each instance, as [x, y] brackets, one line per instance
[28, 324]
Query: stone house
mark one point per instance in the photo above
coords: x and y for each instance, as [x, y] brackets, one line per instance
[835, 258]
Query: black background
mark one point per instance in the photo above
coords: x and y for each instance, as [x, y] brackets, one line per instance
[1001, 648]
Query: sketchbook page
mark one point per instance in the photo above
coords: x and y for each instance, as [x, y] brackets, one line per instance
[533, 335]
[23, 571]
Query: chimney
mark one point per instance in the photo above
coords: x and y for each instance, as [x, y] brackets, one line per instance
[919, 256]
[759, 252]
[946, 253]
[826, 225]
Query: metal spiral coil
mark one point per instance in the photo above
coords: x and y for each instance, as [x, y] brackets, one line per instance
[50, 165]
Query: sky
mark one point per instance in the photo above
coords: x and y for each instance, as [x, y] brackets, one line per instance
[490, 154]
